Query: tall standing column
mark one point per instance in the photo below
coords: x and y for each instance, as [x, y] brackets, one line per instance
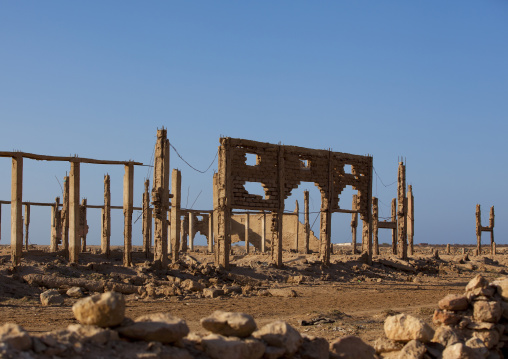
[478, 230]
[74, 238]
[147, 220]
[354, 223]
[27, 224]
[106, 218]
[247, 226]
[184, 225]
[326, 215]
[128, 199]
[176, 190]
[410, 219]
[215, 203]
[491, 226]
[394, 230]
[277, 216]
[263, 232]
[192, 218]
[402, 212]
[83, 226]
[160, 197]
[56, 224]
[210, 233]
[375, 220]
[306, 219]
[297, 226]
[16, 210]
[223, 207]
[65, 216]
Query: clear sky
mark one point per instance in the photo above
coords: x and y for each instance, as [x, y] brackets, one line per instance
[426, 80]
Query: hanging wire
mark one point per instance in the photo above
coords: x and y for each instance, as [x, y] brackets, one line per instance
[386, 185]
[188, 164]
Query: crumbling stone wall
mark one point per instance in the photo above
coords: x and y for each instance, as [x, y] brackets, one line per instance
[280, 169]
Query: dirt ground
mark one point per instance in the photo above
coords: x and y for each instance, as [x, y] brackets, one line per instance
[348, 297]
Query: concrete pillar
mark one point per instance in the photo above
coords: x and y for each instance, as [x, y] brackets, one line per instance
[215, 204]
[307, 221]
[263, 233]
[326, 216]
[394, 230]
[210, 233]
[160, 197]
[56, 229]
[410, 219]
[65, 216]
[147, 220]
[27, 224]
[16, 210]
[247, 226]
[297, 225]
[375, 220]
[448, 249]
[223, 207]
[184, 225]
[74, 238]
[478, 230]
[128, 201]
[491, 226]
[354, 223]
[277, 216]
[402, 212]
[176, 190]
[192, 219]
[83, 225]
[494, 252]
[106, 219]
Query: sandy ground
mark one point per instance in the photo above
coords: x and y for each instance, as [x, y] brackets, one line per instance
[349, 297]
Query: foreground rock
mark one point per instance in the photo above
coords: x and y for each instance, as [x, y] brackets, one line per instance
[229, 324]
[103, 310]
[159, 327]
[403, 327]
[281, 335]
[51, 297]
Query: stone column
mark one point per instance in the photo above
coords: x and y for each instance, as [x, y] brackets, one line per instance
[448, 249]
[210, 233]
[74, 238]
[297, 225]
[491, 226]
[307, 221]
[326, 216]
[192, 218]
[354, 223]
[375, 220]
[27, 224]
[410, 219]
[56, 224]
[128, 201]
[147, 220]
[263, 232]
[106, 219]
[184, 225]
[83, 226]
[160, 197]
[478, 230]
[277, 216]
[223, 207]
[402, 212]
[394, 230]
[16, 210]
[176, 190]
[65, 216]
[247, 226]
[215, 203]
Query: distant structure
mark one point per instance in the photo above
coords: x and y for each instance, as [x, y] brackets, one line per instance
[480, 229]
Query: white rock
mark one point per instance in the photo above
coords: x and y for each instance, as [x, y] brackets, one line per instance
[280, 334]
[75, 292]
[159, 327]
[403, 327]
[103, 310]
[229, 324]
[51, 297]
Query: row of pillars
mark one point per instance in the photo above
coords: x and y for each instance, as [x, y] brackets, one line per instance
[402, 220]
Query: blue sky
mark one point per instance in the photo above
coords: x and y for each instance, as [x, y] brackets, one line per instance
[426, 80]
